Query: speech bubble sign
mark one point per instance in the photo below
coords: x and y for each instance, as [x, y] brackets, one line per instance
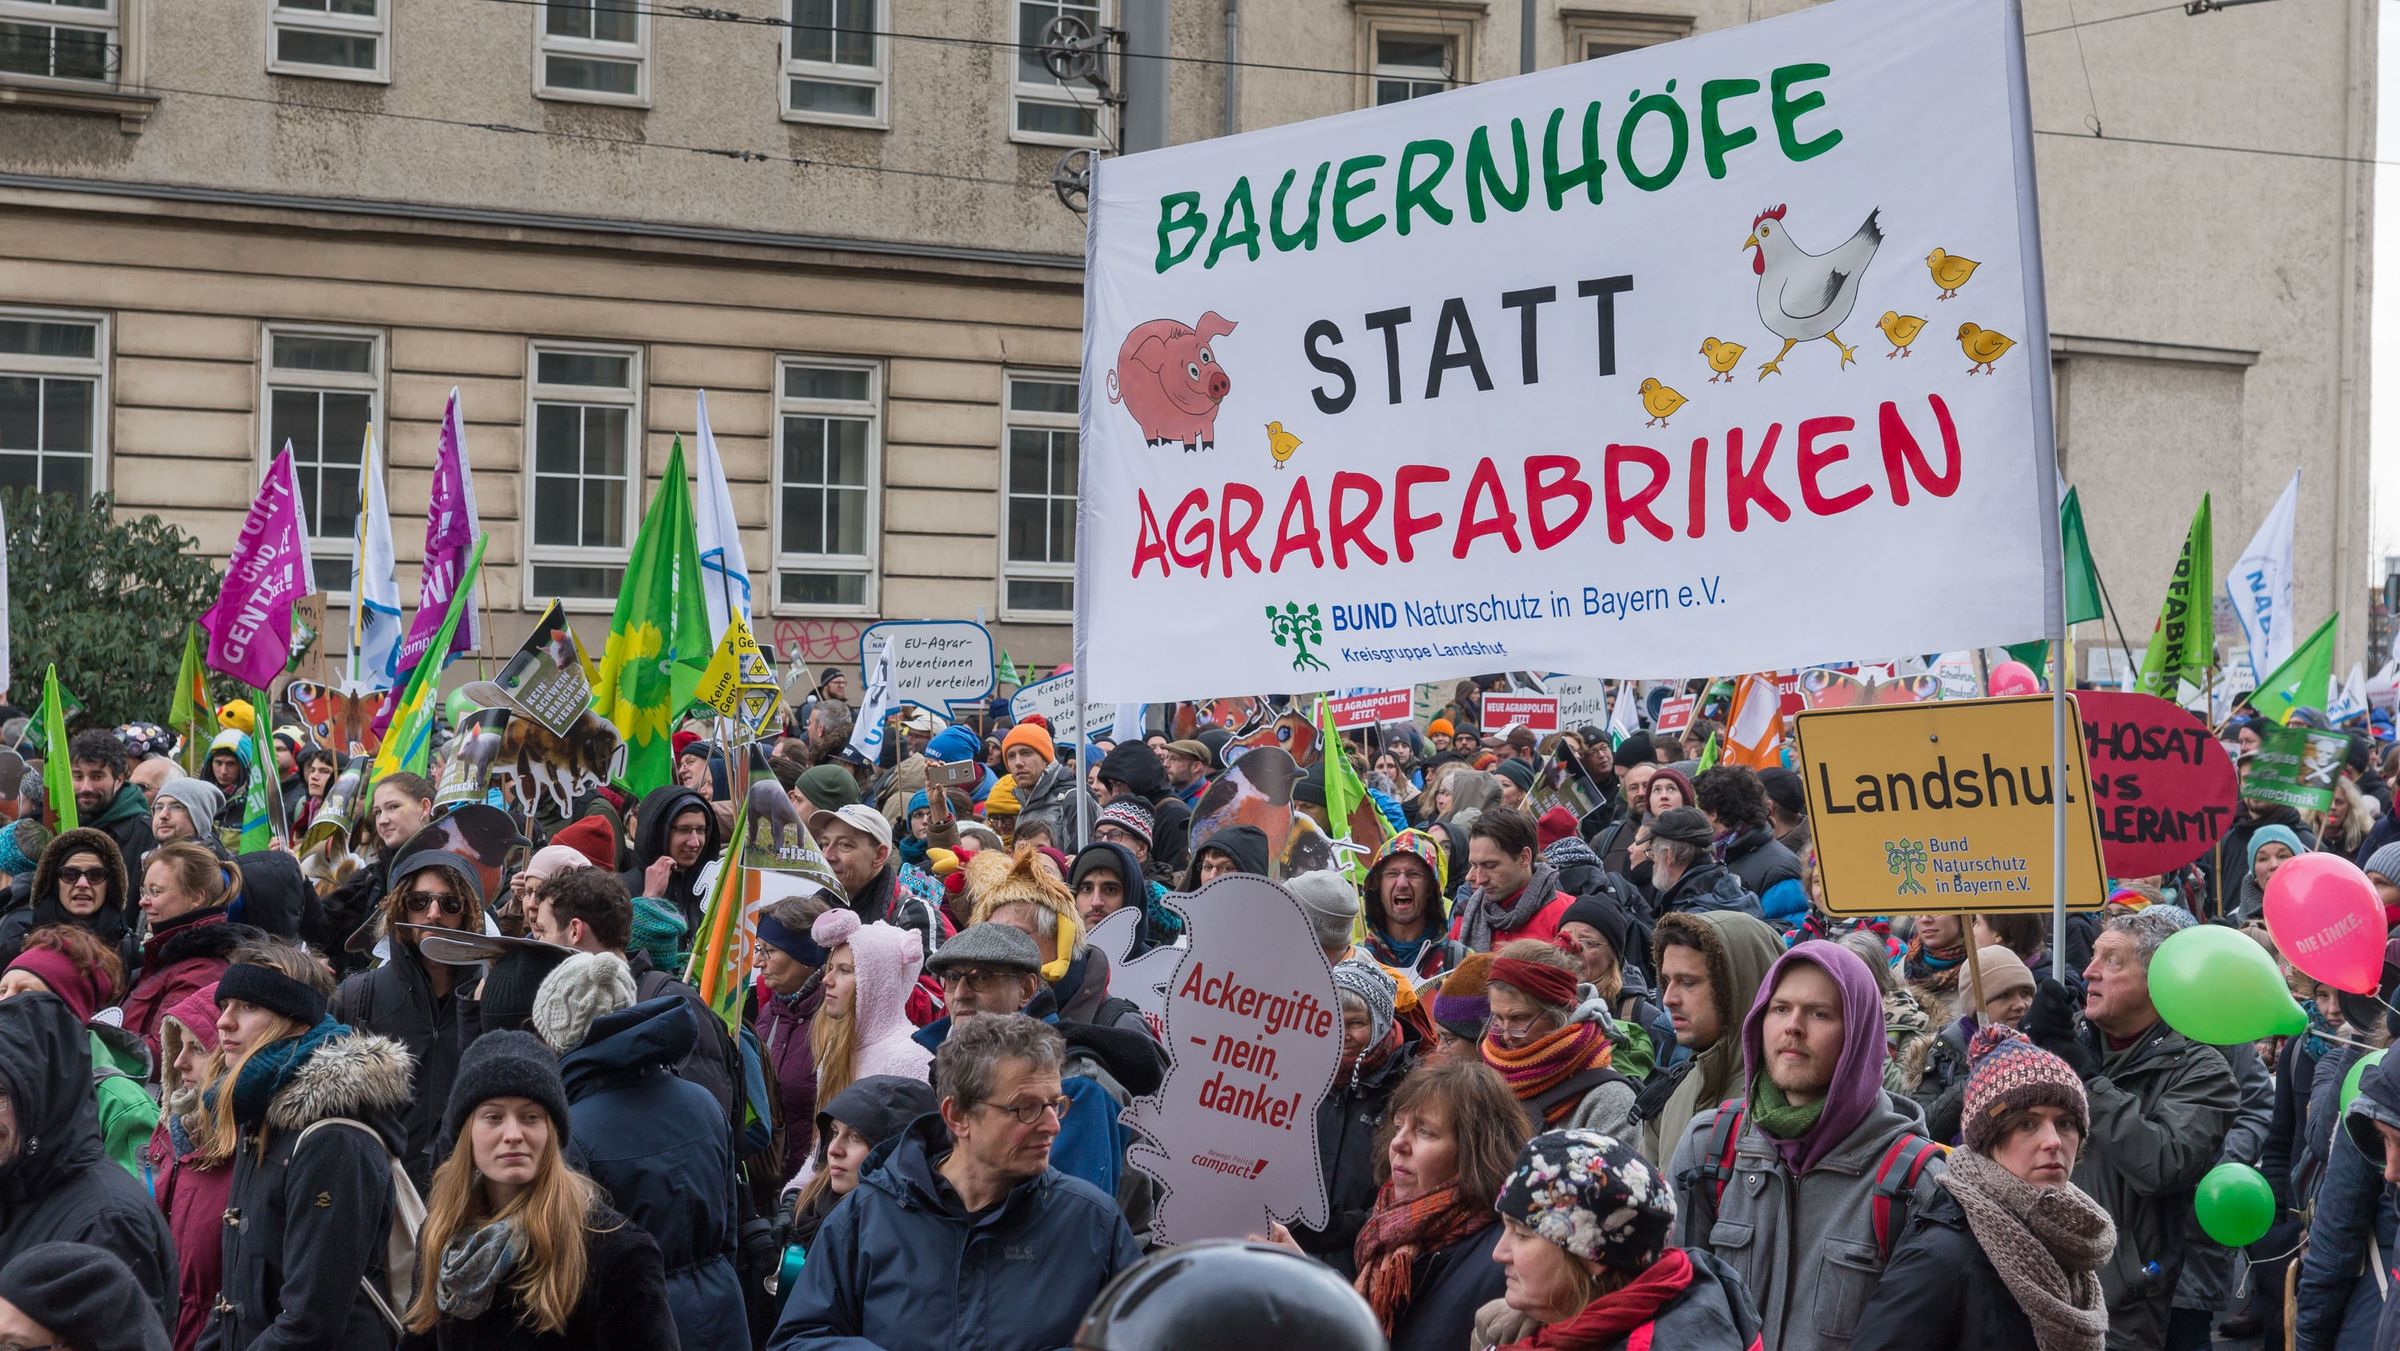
[939, 662]
[2164, 788]
[1582, 700]
[1253, 1031]
[1054, 699]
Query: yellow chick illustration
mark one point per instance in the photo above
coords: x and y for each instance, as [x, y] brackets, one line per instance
[1659, 402]
[1722, 358]
[1949, 271]
[1281, 443]
[1983, 347]
[1901, 329]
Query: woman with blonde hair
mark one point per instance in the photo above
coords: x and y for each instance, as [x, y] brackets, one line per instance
[309, 1111]
[187, 896]
[518, 1249]
[862, 1026]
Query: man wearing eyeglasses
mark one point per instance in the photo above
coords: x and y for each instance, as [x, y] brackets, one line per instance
[966, 1234]
[413, 999]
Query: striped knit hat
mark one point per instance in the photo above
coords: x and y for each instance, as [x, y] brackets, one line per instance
[2006, 1071]
[658, 930]
[1463, 1004]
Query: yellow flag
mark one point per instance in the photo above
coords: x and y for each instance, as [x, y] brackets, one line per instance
[737, 682]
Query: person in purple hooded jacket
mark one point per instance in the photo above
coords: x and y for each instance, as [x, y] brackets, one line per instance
[1804, 1184]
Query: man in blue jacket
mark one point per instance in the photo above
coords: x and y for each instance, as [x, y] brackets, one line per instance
[962, 1235]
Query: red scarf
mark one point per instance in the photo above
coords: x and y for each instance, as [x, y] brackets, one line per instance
[1611, 1319]
[1534, 1070]
[1399, 1232]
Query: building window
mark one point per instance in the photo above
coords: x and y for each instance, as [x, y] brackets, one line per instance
[597, 51]
[53, 388]
[331, 39]
[1412, 65]
[60, 40]
[834, 62]
[1043, 108]
[324, 395]
[828, 454]
[1595, 33]
[1038, 498]
[585, 406]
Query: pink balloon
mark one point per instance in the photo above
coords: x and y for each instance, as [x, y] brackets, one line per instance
[2014, 677]
[2328, 921]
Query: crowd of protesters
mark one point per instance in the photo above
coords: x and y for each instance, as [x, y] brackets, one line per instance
[1615, 1070]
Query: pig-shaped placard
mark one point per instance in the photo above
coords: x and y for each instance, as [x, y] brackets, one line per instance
[1255, 1033]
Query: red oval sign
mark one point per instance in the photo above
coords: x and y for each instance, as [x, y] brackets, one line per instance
[2163, 788]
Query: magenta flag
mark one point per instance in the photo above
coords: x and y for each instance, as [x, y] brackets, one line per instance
[250, 626]
[450, 529]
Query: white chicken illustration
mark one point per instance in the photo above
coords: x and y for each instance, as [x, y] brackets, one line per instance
[1804, 296]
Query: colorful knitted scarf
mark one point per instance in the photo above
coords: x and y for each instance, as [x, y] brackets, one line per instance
[1534, 1070]
[1934, 969]
[1397, 1233]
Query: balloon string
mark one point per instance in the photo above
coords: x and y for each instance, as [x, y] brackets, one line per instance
[2346, 1041]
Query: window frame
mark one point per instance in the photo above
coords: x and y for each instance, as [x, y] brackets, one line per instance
[870, 564]
[534, 555]
[545, 45]
[1627, 30]
[111, 19]
[375, 385]
[1056, 94]
[1011, 419]
[1378, 72]
[1457, 23]
[877, 76]
[98, 368]
[378, 27]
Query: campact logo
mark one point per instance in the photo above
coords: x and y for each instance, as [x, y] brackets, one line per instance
[1228, 1165]
[1299, 630]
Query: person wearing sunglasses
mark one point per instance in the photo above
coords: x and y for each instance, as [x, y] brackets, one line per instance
[413, 999]
[887, 1268]
[74, 1297]
[80, 881]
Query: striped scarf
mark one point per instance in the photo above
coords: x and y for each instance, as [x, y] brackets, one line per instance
[1534, 1070]
[1397, 1234]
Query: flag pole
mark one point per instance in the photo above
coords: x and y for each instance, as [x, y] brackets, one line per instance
[2045, 473]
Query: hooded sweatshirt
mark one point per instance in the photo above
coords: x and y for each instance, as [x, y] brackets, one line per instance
[657, 812]
[1857, 1071]
[59, 1184]
[887, 960]
[1739, 948]
[1245, 845]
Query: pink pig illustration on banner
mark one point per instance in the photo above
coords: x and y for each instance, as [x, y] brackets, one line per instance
[1254, 1030]
[1167, 376]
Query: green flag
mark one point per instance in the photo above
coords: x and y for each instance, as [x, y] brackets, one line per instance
[190, 708]
[1007, 675]
[1708, 755]
[58, 780]
[2083, 580]
[2183, 646]
[2303, 681]
[1344, 790]
[258, 831]
[408, 743]
[658, 639]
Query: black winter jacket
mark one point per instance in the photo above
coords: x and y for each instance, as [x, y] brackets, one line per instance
[275, 897]
[660, 1149]
[1347, 1121]
[711, 1059]
[1445, 1288]
[624, 1303]
[1940, 1289]
[307, 1221]
[396, 1000]
[61, 1185]
[329, 922]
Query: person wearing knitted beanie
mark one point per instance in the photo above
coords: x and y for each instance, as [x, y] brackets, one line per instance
[75, 1297]
[186, 809]
[1462, 1005]
[1583, 1204]
[658, 931]
[507, 1065]
[585, 986]
[2008, 1252]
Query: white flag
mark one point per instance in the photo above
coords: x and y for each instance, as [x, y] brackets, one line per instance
[375, 627]
[1129, 724]
[726, 571]
[866, 735]
[1623, 718]
[2347, 698]
[2260, 585]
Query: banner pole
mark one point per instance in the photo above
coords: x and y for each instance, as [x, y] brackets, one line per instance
[2045, 468]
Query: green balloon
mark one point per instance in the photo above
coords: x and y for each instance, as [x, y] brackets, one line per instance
[2217, 985]
[2235, 1204]
[2357, 1073]
[459, 706]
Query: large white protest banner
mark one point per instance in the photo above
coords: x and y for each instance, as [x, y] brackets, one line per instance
[1563, 372]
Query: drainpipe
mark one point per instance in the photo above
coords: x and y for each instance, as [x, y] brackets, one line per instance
[1233, 73]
